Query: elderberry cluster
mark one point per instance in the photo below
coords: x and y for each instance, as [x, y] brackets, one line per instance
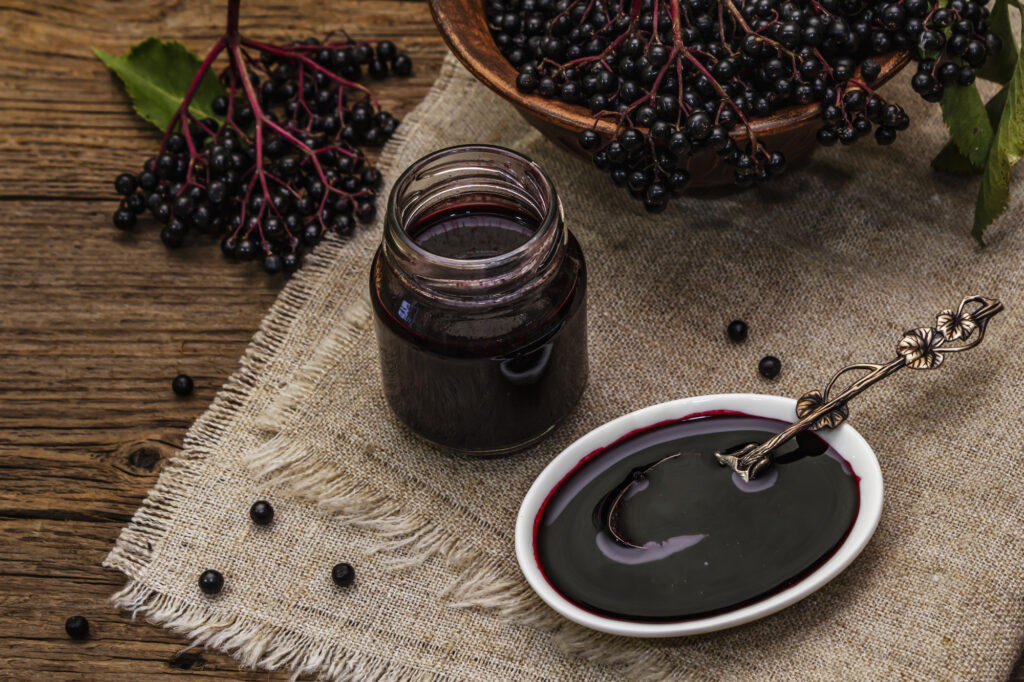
[284, 166]
[685, 77]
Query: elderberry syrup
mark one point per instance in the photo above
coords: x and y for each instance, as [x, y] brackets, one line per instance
[479, 299]
[700, 540]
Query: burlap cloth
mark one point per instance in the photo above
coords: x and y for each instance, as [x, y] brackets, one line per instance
[828, 265]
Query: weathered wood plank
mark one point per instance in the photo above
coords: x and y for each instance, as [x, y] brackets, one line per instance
[94, 324]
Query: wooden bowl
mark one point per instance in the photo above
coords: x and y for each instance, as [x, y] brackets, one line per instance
[463, 24]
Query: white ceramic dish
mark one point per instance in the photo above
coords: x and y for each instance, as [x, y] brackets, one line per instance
[844, 439]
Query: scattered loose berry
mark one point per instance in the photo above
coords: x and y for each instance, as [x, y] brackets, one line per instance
[343, 574]
[737, 330]
[182, 385]
[769, 367]
[261, 513]
[77, 627]
[211, 581]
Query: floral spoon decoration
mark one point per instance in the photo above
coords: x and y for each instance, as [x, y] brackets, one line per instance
[922, 348]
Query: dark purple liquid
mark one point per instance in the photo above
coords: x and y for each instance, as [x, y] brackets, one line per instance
[472, 232]
[487, 378]
[712, 543]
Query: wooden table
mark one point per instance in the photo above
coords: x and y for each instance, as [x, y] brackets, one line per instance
[95, 323]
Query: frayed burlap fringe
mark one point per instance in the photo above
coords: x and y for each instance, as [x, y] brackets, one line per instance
[412, 541]
[258, 645]
[135, 545]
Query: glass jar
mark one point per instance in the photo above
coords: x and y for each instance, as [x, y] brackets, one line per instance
[479, 299]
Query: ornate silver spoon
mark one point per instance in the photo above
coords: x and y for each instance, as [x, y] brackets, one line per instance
[921, 348]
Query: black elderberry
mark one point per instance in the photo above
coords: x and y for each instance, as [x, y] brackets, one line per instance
[965, 76]
[161, 211]
[211, 581]
[245, 250]
[343, 574]
[370, 177]
[885, 135]
[125, 184]
[646, 115]
[639, 180]
[847, 135]
[219, 105]
[631, 139]
[291, 261]
[183, 206]
[77, 627]
[175, 143]
[678, 180]
[136, 203]
[311, 235]
[147, 180]
[386, 51]
[589, 140]
[547, 87]
[172, 235]
[698, 125]
[261, 513]
[377, 68]
[737, 330]
[365, 211]
[272, 263]
[657, 193]
[402, 65]
[526, 82]
[717, 139]
[343, 224]
[182, 385]
[124, 219]
[769, 367]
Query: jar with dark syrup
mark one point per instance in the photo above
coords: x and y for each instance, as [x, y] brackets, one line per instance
[479, 300]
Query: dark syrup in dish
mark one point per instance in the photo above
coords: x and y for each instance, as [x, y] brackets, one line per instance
[711, 543]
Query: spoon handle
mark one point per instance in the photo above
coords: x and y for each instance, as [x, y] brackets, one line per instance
[921, 348]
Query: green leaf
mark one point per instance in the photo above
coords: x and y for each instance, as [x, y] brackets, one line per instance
[951, 160]
[1007, 149]
[999, 67]
[157, 75]
[967, 120]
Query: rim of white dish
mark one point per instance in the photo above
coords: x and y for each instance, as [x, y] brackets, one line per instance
[844, 439]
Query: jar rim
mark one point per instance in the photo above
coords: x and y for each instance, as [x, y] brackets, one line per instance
[547, 223]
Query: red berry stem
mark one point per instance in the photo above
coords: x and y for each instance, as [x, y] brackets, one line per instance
[285, 165]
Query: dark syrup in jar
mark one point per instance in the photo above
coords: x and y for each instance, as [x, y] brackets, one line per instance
[482, 378]
[711, 543]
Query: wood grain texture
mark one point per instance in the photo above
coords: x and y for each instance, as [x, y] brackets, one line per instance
[95, 323]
